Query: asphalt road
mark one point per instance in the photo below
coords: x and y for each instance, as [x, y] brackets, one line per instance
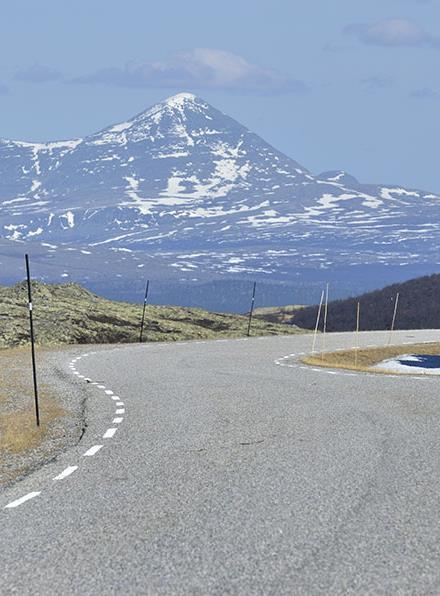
[224, 472]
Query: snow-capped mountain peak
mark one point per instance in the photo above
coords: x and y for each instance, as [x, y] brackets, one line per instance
[181, 101]
[175, 118]
[183, 174]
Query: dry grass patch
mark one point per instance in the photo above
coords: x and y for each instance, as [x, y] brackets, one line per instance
[363, 359]
[18, 430]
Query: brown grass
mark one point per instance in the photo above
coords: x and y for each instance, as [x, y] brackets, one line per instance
[368, 357]
[18, 430]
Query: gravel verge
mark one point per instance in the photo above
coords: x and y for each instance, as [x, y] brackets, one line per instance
[62, 408]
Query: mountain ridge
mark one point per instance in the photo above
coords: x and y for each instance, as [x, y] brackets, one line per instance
[193, 187]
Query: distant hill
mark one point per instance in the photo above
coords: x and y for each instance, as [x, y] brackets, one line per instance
[69, 314]
[277, 314]
[418, 308]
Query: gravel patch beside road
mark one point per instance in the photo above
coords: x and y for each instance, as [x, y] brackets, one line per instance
[24, 447]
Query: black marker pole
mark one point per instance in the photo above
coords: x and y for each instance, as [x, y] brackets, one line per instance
[143, 313]
[251, 312]
[31, 323]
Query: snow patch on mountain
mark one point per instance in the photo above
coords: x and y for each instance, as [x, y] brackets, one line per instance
[387, 193]
[69, 217]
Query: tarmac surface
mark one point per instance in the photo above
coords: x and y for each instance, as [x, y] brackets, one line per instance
[228, 467]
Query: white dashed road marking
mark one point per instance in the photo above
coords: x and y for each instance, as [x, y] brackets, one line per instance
[69, 470]
[22, 500]
[109, 433]
[92, 450]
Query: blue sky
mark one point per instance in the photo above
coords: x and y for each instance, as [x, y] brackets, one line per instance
[335, 85]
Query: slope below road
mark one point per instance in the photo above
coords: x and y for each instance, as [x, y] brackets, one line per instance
[229, 474]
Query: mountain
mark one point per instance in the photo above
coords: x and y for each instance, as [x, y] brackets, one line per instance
[417, 308]
[191, 189]
[145, 180]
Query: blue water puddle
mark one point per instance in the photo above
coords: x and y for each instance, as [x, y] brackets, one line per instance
[426, 361]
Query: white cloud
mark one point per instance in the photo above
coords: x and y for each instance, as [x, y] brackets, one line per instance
[392, 32]
[200, 68]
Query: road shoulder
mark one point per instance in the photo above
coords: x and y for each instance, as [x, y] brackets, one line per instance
[23, 446]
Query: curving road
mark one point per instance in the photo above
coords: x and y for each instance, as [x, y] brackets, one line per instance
[224, 468]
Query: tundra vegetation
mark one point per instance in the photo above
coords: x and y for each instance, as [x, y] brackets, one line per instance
[70, 314]
[283, 315]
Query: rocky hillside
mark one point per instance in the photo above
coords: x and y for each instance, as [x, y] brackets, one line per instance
[68, 313]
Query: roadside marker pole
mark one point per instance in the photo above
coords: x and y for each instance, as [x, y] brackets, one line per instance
[325, 321]
[251, 312]
[31, 324]
[358, 318]
[143, 312]
[317, 321]
[394, 317]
